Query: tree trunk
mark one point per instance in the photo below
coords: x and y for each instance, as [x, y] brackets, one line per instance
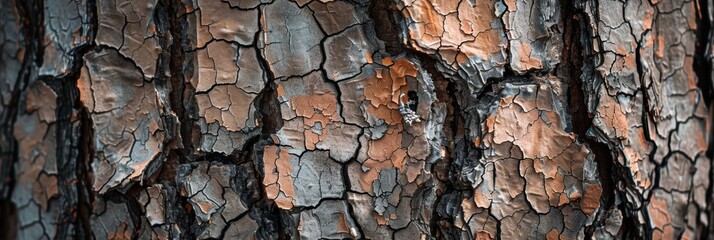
[403, 119]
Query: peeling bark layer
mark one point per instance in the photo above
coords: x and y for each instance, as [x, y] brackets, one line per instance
[356, 119]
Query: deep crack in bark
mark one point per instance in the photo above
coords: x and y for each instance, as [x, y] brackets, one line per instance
[275, 119]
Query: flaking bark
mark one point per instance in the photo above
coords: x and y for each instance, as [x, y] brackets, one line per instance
[357, 119]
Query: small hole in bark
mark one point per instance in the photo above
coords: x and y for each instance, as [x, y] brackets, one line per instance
[413, 100]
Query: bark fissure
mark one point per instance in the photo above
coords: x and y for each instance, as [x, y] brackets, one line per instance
[357, 119]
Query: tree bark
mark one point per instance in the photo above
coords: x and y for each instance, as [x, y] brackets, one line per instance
[394, 119]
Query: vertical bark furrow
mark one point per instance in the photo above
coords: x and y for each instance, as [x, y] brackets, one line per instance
[645, 79]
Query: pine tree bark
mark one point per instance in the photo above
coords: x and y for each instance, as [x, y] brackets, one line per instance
[395, 119]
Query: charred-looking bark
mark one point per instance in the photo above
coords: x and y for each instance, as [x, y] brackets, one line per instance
[356, 119]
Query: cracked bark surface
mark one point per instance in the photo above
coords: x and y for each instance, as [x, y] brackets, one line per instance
[356, 119]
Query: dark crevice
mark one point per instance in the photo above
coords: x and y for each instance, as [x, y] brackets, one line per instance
[168, 87]
[577, 65]
[85, 151]
[446, 92]
[10, 219]
[570, 70]
[267, 101]
[67, 131]
[460, 153]
[615, 178]
[385, 19]
[268, 107]
[347, 183]
[84, 173]
[703, 68]
[31, 31]
[272, 221]
[703, 48]
[175, 42]
[182, 95]
[31, 18]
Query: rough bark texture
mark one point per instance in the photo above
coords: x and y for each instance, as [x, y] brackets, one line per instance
[383, 119]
